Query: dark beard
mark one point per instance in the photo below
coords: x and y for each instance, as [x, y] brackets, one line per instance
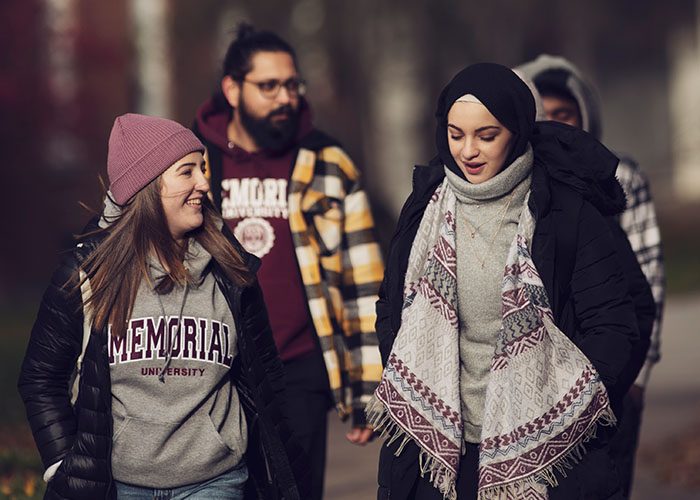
[268, 135]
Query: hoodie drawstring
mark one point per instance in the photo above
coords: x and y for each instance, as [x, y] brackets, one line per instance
[169, 347]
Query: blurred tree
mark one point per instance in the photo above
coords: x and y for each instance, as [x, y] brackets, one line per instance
[151, 35]
[374, 72]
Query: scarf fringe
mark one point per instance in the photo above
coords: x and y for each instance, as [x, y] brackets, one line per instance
[442, 478]
[547, 476]
[445, 480]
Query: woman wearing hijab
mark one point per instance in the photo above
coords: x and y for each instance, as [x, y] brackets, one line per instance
[159, 310]
[504, 320]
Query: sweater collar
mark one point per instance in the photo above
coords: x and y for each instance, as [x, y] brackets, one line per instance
[496, 187]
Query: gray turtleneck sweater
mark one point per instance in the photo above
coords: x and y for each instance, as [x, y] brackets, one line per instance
[481, 210]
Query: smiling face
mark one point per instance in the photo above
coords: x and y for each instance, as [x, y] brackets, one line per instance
[478, 142]
[183, 187]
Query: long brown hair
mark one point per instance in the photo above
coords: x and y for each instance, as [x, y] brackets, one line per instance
[117, 266]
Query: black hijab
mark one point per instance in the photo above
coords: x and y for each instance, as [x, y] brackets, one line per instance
[503, 93]
[565, 154]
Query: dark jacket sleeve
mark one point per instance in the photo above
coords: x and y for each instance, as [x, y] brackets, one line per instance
[606, 322]
[49, 363]
[643, 301]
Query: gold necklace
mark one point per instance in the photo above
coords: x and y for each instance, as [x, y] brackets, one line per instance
[482, 262]
[475, 229]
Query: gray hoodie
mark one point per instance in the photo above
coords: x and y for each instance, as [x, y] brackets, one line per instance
[177, 414]
[571, 79]
[639, 219]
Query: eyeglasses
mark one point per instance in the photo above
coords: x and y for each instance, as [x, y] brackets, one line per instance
[269, 89]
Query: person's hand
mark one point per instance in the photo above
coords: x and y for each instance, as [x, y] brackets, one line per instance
[636, 396]
[360, 435]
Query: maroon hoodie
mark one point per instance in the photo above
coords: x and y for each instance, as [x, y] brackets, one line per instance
[254, 205]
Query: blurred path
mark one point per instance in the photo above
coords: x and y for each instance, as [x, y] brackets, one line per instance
[351, 472]
[673, 395]
[673, 405]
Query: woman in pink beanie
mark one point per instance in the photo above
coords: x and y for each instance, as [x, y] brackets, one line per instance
[151, 370]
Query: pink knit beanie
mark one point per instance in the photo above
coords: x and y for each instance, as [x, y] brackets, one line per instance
[143, 147]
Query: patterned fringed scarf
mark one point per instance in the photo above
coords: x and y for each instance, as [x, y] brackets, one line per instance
[544, 398]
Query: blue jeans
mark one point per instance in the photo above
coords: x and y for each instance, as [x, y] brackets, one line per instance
[228, 486]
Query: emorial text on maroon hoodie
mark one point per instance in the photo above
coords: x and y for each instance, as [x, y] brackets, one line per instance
[254, 205]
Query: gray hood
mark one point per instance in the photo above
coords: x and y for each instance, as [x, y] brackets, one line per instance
[110, 213]
[572, 82]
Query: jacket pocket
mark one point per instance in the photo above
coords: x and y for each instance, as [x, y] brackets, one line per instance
[383, 493]
[386, 459]
[397, 474]
[595, 477]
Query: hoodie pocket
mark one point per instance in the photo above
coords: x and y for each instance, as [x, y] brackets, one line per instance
[144, 450]
[120, 425]
[217, 435]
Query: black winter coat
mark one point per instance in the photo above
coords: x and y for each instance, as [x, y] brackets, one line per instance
[596, 291]
[81, 435]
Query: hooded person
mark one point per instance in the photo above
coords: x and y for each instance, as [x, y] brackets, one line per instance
[504, 319]
[158, 313]
[570, 98]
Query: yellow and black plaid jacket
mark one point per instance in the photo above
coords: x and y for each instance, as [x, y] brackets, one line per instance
[341, 267]
[340, 263]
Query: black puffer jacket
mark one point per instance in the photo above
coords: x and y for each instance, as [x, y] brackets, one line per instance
[595, 287]
[81, 435]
